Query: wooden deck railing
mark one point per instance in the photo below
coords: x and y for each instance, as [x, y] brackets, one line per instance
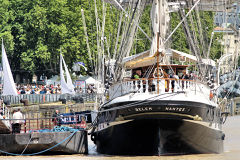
[144, 85]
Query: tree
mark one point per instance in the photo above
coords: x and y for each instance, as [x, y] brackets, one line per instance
[35, 31]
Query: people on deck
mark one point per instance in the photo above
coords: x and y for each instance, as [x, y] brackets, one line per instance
[172, 82]
[187, 78]
[136, 76]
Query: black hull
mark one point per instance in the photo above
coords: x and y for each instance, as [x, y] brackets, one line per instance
[158, 137]
[152, 130]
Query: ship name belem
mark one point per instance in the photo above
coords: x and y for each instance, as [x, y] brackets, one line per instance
[143, 109]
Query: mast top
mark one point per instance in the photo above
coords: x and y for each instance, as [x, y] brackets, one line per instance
[205, 5]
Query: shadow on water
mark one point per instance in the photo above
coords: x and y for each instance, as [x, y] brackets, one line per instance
[231, 146]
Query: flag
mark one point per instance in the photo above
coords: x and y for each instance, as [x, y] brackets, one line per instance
[81, 64]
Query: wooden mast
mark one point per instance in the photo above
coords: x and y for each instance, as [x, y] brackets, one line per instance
[158, 54]
[158, 60]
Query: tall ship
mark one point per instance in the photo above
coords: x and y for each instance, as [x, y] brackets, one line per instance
[157, 107]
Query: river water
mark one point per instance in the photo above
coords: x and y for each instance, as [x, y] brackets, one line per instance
[231, 146]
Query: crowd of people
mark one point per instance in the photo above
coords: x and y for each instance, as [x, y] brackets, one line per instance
[91, 89]
[50, 89]
[38, 89]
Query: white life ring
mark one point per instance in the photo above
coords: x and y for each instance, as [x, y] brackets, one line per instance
[160, 73]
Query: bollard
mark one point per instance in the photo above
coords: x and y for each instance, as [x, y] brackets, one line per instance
[24, 101]
[7, 102]
[63, 100]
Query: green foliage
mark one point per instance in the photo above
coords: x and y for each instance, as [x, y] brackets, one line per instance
[34, 31]
[141, 42]
[179, 39]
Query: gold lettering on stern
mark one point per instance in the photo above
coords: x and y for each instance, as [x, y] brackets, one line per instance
[141, 109]
[177, 109]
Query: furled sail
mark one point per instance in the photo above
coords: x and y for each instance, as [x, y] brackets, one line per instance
[160, 21]
[9, 87]
[66, 87]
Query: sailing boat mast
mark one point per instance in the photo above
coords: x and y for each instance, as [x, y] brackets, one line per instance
[67, 87]
[160, 23]
[86, 36]
[9, 87]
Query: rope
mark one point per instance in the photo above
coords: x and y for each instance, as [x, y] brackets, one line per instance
[14, 154]
[27, 144]
[95, 122]
[133, 20]
[141, 102]
[181, 22]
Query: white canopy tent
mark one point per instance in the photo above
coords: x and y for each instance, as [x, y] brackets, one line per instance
[91, 80]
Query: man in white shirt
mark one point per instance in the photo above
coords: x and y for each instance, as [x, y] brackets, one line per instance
[17, 122]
